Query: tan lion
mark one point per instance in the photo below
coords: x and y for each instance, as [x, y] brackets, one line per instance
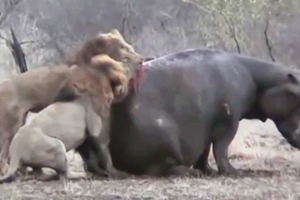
[112, 44]
[38, 88]
[63, 126]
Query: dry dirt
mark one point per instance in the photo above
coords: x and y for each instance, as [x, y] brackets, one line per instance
[258, 147]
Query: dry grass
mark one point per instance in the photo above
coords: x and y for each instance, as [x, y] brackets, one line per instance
[257, 147]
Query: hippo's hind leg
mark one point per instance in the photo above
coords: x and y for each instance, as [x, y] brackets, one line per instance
[224, 133]
[202, 162]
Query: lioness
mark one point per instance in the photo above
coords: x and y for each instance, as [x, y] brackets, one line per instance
[63, 126]
[38, 88]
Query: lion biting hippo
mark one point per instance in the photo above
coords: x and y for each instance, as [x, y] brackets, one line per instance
[38, 88]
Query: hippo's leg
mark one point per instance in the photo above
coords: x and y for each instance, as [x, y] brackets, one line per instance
[202, 162]
[224, 133]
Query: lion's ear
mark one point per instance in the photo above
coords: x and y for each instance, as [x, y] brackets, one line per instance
[105, 36]
[115, 32]
[79, 88]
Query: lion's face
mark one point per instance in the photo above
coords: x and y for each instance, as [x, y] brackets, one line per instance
[112, 44]
[115, 72]
[118, 49]
[105, 81]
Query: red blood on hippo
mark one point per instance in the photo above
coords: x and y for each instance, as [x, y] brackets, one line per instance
[135, 82]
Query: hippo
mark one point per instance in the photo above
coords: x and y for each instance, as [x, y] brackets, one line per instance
[189, 101]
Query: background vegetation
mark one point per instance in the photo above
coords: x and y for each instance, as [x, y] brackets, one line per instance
[49, 30]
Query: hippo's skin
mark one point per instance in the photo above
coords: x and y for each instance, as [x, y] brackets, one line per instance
[192, 100]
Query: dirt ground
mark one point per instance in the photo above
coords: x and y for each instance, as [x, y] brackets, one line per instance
[258, 147]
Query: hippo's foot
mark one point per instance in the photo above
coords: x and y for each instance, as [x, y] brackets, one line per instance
[230, 171]
[182, 171]
[208, 171]
[116, 174]
[96, 172]
[205, 169]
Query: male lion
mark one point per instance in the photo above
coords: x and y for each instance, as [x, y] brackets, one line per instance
[38, 88]
[112, 44]
[63, 126]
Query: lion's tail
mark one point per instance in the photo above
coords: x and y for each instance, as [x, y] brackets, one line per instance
[12, 169]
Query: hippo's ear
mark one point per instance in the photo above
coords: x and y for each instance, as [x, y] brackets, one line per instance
[278, 102]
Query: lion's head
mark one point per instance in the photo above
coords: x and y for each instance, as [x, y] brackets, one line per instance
[105, 81]
[112, 44]
[117, 74]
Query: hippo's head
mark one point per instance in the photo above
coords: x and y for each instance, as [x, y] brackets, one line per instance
[282, 104]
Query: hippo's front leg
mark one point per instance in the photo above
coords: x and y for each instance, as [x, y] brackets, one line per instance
[223, 133]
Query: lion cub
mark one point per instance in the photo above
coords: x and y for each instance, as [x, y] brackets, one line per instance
[63, 126]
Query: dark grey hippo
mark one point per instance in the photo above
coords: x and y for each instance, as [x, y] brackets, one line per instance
[191, 100]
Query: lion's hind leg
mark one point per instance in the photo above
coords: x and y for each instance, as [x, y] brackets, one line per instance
[11, 172]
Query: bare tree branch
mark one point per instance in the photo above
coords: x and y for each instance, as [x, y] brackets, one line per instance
[198, 6]
[231, 28]
[269, 46]
[28, 42]
[18, 52]
[60, 51]
[8, 8]
[123, 25]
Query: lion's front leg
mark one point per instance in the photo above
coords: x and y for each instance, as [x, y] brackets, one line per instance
[4, 153]
[120, 83]
[14, 120]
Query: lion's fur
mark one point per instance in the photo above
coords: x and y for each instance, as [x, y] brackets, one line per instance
[63, 126]
[111, 44]
[38, 88]
[55, 130]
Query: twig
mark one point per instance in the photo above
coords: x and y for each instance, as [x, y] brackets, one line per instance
[198, 6]
[123, 25]
[269, 46]
[232, 32]
[28, 42]
[60, 51]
